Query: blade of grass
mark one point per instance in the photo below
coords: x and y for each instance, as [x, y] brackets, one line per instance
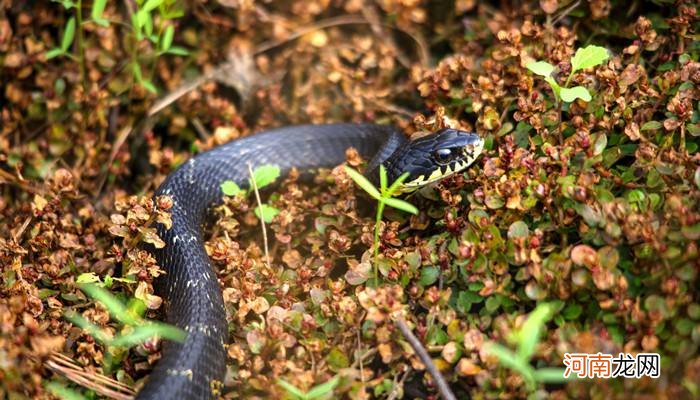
[401, 205]
[509, 359]
[142, 333]
[114, 306]
[363, 182]
[531, 330]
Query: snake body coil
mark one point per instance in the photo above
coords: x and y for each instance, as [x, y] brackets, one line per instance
[195, 368]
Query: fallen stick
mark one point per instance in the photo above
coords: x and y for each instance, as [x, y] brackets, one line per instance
[442, 386]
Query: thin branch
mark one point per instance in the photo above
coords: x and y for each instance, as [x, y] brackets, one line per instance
[442, 386]
[8, 178]
[262, 215]
[566, 12]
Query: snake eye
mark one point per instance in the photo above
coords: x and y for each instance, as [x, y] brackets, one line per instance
[443, 156]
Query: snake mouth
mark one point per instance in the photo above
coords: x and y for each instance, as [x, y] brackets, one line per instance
[459, 156]
[472, 151]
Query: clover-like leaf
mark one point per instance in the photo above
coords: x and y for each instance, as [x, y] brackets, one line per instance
[268, 212]
[588, 56]
[541, 68]
[576, 92]
[265, 175]
[231, 188]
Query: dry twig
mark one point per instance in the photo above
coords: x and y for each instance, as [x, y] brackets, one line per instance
[101, 384]
[442, 386]
[262, 215]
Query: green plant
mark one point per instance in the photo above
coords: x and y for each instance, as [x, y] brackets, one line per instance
[144, 26]
[385, 197]
[263, 175]
[93, 278]
[159, 31]
[585, 57]
[134, 328]
[66, 41]
[323, 390]
[63, 392]
[526, 339]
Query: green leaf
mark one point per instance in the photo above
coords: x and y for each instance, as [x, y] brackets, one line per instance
[148, 27]
[518, 229]
[88, 277]
[148, 85]
[651, 126]
[697, 177]
[529, 334]
[541, 68]
[337, 359]
[68, 34]
[98, 7]
[398, 182]
[136, 71]
[572, 311]
[577, 92]
[230, 188]
[323, 389]
[141, 334]
[114, 306]
[151, 5]
[92, 329]
[363, 182]
[492, 303]
[291, 389]
[587, 57]
[551, 375]
[67, 4]
[167, 38]
[142, 17]
[600, 143]
[178, 51]
[693, 129]
[101, 21]
[401, 205]
[63, 392]
[264, 175]
[268, 212]
[635, 196]
[55, 52]
[383, 185]
[136, 25]
[508, 359]
[428, 275]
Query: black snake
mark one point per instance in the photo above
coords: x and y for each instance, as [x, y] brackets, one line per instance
[195, 368]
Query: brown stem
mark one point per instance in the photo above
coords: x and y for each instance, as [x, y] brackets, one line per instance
[440, 382]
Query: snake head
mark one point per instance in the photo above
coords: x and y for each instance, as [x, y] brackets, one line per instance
[431, 158]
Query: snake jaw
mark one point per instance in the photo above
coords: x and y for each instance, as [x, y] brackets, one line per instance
[438, 156]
